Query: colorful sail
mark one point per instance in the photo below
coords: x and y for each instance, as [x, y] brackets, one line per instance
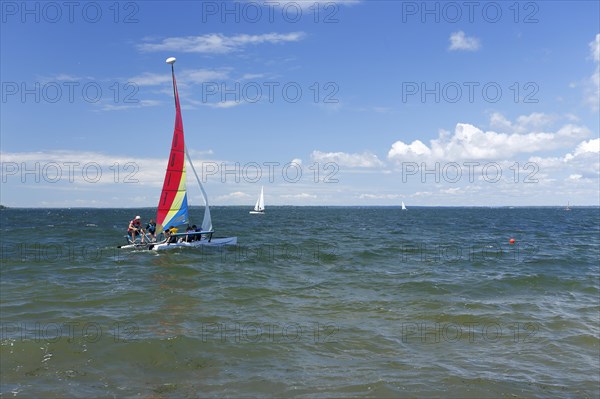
[173, 206]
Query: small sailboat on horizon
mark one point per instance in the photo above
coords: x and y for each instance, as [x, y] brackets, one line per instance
[259, 208]
[568, 208]
[403, 206]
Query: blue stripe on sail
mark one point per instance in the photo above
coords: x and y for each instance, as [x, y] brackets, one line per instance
[181, 217]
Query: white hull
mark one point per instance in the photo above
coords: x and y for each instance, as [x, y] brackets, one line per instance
[162, 245]
[134, 246]
[214, 242]
[257, 212]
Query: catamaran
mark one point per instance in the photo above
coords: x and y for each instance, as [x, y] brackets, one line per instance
[259, 208]
[173, 204]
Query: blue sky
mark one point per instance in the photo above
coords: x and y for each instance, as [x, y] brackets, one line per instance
[374, 103]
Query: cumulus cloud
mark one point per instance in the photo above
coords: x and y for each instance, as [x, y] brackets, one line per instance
[460, 41]
[471, 142]
[583, 161]
[590, 146]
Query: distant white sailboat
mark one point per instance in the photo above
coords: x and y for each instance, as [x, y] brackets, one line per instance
[567, 208]
[403, 206]
[259, 208]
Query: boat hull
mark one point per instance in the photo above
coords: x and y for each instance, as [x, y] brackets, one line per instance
[257, 212]
[214, 242]
[134, 246]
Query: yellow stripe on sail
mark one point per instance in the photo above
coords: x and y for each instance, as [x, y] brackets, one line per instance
[177, 202]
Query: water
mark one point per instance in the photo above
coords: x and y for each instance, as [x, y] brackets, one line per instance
[314, 302]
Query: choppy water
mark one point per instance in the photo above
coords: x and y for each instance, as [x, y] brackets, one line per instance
[312, 303]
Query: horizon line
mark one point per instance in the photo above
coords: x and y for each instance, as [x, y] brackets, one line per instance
[5, 207]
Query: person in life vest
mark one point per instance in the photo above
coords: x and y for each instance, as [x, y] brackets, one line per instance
[151, 229]
[135, 229]
[169, 234]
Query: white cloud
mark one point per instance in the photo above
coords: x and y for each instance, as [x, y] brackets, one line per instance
[249, 76]
[595, 48]
[150, 79]
[75, 163]
[86, 178]
[584, 161]
[86, 168]
[499, 122]
[224, 104]
[300, 196]
[380, 196]
[217, 43]
[452, 190]
[121, 107]
[415, 149]
[592, 90]
[591, 146]
[237, 195]
[470, 142]
[188, 76]
[459, 41]
[63, 77]
[199, 76]
[535, 120]
[364, 160]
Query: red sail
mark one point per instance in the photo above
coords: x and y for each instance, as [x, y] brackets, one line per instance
[172, 207]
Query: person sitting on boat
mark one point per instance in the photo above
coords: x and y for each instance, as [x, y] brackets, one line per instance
[135, 229]
[151, 229]
[197, 230]
[169, 233]
[190, 237]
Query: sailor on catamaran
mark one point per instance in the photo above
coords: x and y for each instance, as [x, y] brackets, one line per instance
[135, 229]
[151, 229]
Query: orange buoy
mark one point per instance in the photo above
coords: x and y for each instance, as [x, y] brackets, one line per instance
[511, 241]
